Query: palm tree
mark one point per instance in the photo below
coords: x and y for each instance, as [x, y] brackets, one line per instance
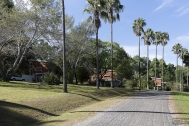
[95, 8]
[138, 30]
[182, 53]
[176, 49]
[156, 42]
[164, 38]
[148, 38]
[63, 48]
[113, 8]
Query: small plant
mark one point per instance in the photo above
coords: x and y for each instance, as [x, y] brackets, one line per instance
[51, 79]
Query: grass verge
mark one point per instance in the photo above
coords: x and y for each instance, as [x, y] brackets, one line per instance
[23, 103]
[181, 106]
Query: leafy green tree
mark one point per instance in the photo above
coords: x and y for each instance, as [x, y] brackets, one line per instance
[169, 72]
[21, 28]
[164, 38]
[7, 4]
[148, 38]
[176, 49]
[186, 61]
[95, 7]
[138, 30]
[182, 53]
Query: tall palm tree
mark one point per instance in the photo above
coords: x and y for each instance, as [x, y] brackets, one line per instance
[182, 53]
[176, 49]
[148, 38]
[63, 46]
[164, 38]
[95, 8]
[113, 8]
[156, 42]
[138, 30]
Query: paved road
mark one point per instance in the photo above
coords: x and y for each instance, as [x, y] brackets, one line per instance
[149, 108]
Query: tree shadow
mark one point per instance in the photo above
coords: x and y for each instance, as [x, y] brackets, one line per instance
[11, 114]
[87, 96]
[133, 112]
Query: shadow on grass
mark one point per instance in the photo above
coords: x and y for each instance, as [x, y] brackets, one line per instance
[11, 114]
[49, 122]
[87, 96]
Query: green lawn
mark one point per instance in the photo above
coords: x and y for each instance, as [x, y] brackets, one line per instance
[23, 103]
[181, 100]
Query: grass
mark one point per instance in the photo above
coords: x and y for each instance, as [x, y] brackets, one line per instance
[23, 103]
[181, 101]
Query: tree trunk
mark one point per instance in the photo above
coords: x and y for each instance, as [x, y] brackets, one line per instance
[187, 76]
[139, 63]
[112, 85]
[71, 77]
[76, 81]
[64, 48]
[97, 67]
[147, 66]
[162, 69]
[155, 67]
[177, 72]
[182, 77]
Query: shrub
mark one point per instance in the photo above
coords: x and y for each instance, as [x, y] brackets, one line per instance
[51, 79]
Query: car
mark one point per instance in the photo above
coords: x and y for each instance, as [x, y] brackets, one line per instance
[17, 78]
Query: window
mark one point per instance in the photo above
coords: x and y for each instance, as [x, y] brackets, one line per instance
[30, 64]
[94, 78]
[106, 76]
[38, 69]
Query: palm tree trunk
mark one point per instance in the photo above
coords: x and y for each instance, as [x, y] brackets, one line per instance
[97, 67]
[177, 72]
[112, 85]
[64, 48]
[162, 69]
[182, 77]
[147, 65]
[187, 76]
[155, 67]
[139, 63]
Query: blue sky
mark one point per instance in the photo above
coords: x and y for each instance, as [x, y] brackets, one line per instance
[170, 16]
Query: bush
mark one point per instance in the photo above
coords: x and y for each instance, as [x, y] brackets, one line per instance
[51, 79]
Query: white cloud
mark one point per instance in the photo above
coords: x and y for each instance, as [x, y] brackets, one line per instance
[164, 4]
[183, 39]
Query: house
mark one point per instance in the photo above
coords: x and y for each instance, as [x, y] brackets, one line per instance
[157, 80]
[106, 78]
[36, 70]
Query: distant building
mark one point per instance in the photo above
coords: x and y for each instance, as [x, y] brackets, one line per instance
[106, 78]
[36, 69]
[157, 80]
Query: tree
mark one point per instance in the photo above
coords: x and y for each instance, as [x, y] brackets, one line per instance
[176, 49]
[20, 29]
[164, 38]
[148, 38]
[95, 7]
[186, 61]
[138, 30]
[182, 53]
[79, 46]
[113, 8]
[64, 48]
[156, 42]
[7, 4]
